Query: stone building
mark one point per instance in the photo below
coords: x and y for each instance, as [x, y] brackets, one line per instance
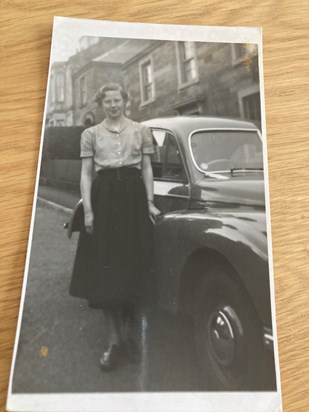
[186, 78]
[73, 83]
[162, 78]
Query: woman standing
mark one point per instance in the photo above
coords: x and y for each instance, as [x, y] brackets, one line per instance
[114, 251]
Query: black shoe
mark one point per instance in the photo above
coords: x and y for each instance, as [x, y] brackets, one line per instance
[109, 358]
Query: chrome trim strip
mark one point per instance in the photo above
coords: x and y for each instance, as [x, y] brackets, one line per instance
[268, 338]
[183, 159]
[172, 195]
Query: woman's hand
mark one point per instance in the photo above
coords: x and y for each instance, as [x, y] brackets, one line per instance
[89, 223]
[154, 212]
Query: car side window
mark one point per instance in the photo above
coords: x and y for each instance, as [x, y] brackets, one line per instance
[166, 161]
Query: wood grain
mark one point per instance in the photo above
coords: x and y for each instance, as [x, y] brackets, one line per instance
[26, 28]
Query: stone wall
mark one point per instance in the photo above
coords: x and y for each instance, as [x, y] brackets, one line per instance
[63, 174]
[215, 92]
[96, 74]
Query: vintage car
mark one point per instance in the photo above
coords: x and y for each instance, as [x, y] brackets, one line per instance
[211, 253]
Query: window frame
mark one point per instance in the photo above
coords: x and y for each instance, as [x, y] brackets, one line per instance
[218, 129]
[182, 83]
[142, 64]
[235, 58]
[60, 92]
[186, 179]
[83, 93]
[248, 51]
[246, 93]
[52, 88]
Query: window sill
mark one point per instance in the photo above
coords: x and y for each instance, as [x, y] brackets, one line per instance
[187, 84]
[146, 103]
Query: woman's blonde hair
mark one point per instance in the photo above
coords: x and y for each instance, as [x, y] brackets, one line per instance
[101, 93]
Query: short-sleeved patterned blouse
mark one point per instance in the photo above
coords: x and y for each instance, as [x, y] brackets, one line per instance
[111, 149]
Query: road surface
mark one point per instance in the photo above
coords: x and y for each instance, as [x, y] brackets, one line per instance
[62, 339]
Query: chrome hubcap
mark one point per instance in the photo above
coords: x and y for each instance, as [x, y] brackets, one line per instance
[224, 332]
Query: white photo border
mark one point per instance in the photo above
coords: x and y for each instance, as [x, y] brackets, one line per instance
[146, 401]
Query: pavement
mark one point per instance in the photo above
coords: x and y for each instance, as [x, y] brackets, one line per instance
[64, 198]
[62, 339]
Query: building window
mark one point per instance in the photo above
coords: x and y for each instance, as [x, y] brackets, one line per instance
[187, 63]
[239, 51]
[83, 90]
[52, 88]
[60, 87]
[242, 52]
[250, 104]
[146, 78]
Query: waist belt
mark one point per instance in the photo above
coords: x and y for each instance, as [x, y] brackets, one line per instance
[120, 172]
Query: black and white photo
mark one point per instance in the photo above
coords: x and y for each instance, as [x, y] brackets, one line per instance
[149, 278]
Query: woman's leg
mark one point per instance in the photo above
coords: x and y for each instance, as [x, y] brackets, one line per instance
[110, 356]
[130, 332]
[127, 319]
[112, 326]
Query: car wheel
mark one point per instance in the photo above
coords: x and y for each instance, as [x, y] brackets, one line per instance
[228, 335]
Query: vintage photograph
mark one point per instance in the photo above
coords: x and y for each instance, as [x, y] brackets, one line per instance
[148, 270]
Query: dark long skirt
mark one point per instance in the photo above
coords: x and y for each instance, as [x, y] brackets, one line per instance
[113, 265]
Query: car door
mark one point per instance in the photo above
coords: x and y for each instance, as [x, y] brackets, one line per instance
[171, 194]
[171, 187]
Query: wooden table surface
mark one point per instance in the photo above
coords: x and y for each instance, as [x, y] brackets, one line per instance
[26, 28]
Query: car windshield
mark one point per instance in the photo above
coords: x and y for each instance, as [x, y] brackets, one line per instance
[224, 150]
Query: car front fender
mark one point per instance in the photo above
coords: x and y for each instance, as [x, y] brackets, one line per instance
[239, 238]
[77, 219]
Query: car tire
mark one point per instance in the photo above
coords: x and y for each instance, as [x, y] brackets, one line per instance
[228, 335]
